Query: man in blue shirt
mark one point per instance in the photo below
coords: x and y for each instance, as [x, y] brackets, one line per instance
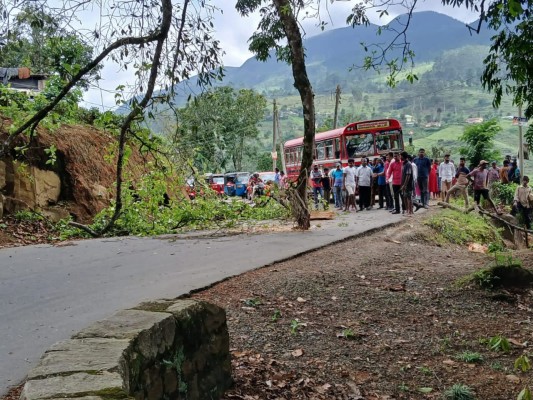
[423, 165]
[379, 173]
[336, 181]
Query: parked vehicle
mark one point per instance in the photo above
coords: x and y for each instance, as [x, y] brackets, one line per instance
[230, 184]
[241, 183]
[216, 182]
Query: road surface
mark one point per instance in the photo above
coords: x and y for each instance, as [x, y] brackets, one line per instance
[49, 293]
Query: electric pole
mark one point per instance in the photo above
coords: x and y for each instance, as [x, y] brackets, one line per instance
[337, 101]
[520, 143]
[274, 119]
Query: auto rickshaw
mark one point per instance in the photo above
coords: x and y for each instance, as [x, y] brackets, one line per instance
[230, 183]
[241, 183]
[216, 182]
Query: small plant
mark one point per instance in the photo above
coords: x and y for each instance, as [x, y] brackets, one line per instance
[459, 392]
[295, 324]
[342, 224]
[495, 247]
[497, 366]
[252, 302]
[525, 394]
[276, 315]
[403, 387]
[497, 343]
[470, 357]
[522, 363]
[425, 370]
[349, 334]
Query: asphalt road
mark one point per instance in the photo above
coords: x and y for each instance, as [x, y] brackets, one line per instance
[49, 293]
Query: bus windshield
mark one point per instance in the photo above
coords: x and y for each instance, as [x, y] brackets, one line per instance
[359, 145]
[388, 141]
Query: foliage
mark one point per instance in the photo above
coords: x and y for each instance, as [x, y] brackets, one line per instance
[276, 315]
[525, 394]
[499, 342]
[504, 192]
[488, 278]
[459, 392]
[479, 142]
[470, 356]
[459, 228]
[522, 363]
[145, 212]
[217, 125]
[36, 41]
[295, 325]
[507, 67]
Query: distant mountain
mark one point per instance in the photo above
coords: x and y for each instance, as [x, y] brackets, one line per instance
[331, 54]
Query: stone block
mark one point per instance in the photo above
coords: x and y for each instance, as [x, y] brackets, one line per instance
[47, 187]
[80, 355]
[125, 324]
[77, 385]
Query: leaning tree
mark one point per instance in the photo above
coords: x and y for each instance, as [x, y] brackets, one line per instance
[162, 41]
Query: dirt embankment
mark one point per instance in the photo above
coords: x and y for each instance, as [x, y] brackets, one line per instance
[85, 167]
[378, 317]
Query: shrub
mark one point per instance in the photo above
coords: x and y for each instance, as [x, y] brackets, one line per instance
[459, 228]
[504, 193]
[459, 392]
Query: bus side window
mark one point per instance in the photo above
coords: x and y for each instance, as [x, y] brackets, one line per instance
[329, 149]
[320, 153]
[337, 148]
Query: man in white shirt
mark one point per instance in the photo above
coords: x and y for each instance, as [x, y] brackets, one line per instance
[364, 185]
[446, 174]
[348, 184]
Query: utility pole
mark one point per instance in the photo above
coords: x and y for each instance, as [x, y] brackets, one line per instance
[274, 119]
[281, 149]
[520, 143]
[337, 101]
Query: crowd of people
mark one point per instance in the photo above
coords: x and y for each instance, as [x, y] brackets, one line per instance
[403, 183]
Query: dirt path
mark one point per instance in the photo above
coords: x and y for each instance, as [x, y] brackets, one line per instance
[378, 317]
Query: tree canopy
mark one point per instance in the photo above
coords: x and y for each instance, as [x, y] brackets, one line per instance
[218, 126]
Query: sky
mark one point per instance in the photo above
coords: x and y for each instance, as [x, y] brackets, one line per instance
[233, 31]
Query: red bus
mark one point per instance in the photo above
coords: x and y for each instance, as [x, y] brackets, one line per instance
[356, 140]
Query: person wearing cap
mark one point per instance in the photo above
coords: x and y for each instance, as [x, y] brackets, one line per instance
[446, 173]
[493, 174]
[479, 177]
[461, 185]
[336, 182]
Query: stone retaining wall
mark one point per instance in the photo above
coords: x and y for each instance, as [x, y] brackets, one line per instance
[162, 350]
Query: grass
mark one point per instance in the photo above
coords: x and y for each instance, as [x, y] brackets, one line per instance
[455, 227]
[470, 357]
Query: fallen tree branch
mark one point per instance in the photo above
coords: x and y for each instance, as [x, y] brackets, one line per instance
[504, 221]
[84, 228]
[451, 206]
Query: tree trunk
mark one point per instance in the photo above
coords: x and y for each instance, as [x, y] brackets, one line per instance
[302, 84]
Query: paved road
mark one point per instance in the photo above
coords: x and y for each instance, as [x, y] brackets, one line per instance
[49, 293]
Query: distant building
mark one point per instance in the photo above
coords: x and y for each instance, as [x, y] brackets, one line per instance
[409, 120]
[476, 120]
[22, 80]
[434, 124]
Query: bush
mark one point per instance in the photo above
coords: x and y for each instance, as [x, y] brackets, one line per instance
[459, 228]
[503, 192]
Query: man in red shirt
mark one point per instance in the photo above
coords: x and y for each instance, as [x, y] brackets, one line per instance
[394, 175]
